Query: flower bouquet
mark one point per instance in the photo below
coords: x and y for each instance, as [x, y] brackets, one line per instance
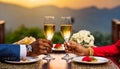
[84, 38]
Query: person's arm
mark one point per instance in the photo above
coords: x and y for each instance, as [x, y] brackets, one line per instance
[10, 52]
[111, 50]
[14, 52]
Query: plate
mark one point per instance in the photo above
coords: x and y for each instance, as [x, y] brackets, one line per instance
[100, 60]
[28, 60]
[62, 49]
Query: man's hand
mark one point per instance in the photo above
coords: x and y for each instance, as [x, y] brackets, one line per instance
[41, 46]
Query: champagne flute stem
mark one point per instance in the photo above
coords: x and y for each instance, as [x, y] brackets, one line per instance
[66, 40]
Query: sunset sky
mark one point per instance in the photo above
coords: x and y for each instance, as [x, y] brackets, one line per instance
[74, 4]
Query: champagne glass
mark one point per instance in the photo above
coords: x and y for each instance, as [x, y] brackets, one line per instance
[66, 31]
[49, 29]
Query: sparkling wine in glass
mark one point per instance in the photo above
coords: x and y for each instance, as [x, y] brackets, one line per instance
[66, 31]
[49, 29]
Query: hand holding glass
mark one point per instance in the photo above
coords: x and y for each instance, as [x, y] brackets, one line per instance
[66, 30]
[49, 29]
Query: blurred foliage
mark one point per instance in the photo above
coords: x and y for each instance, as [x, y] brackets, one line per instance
[102, 39]
[57, 38]
[22, 31]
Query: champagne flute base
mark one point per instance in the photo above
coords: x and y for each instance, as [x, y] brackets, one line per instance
[48, 58]
[67, 58]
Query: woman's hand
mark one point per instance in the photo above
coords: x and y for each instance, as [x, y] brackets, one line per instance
[73, 47]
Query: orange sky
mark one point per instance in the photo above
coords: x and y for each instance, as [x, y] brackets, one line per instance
[75, 4]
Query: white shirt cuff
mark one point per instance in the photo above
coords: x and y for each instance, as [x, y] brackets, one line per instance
[23, 51]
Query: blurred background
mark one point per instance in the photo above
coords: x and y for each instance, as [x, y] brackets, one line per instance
[25, 17]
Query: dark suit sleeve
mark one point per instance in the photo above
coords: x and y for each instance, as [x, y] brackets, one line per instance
[10, 52]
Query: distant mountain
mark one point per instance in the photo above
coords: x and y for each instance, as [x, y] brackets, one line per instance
[91, 18]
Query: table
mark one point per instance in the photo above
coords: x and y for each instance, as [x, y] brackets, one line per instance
[37, 65]
[59, 64]
[109, 65]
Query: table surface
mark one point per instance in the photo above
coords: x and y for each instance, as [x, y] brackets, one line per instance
[109, 65]
[37, 65]
[58, 63]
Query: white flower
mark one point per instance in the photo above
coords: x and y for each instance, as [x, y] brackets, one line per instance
[84, 38]
[84, 33]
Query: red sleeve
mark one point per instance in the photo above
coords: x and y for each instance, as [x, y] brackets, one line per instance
[111, 50]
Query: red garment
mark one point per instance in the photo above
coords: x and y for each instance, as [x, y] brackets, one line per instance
[110, 50]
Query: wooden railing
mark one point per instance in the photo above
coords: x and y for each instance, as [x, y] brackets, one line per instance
[2, 32]
[116, 35]
[115, 30]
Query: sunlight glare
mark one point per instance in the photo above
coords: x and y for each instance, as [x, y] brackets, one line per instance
[75, 4]
[35, 3]
[39, 1]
